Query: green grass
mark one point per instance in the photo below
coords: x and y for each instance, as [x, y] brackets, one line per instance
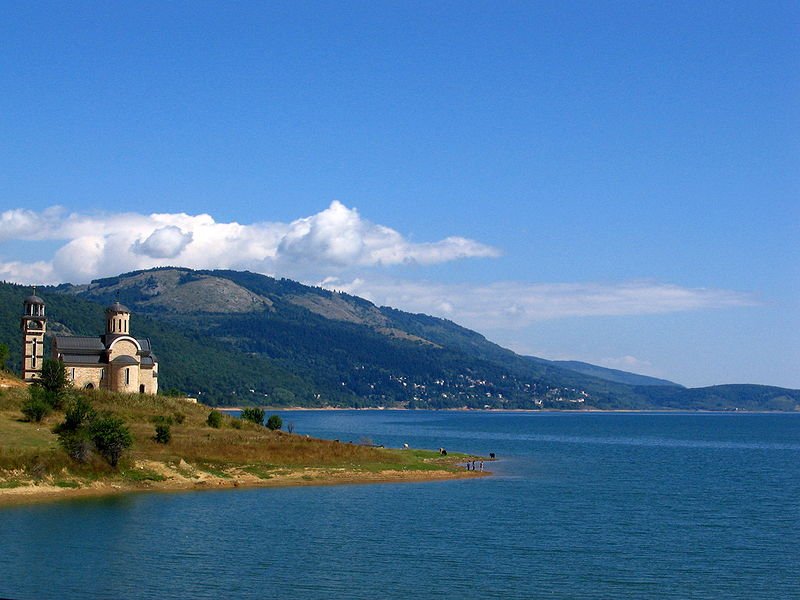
[260, 471]
[7, 485]
[138, 475]
[215, 470]
[33, 448]
[66, 483]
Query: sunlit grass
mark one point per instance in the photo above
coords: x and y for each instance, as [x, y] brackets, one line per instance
[33, 449]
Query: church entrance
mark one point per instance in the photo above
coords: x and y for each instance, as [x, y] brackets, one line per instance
[141, 389]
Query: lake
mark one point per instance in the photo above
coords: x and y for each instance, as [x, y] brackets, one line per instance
[612, 505]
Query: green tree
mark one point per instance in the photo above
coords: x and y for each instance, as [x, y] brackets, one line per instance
[73, 434]
[36, 407]
[214, 419]
[163, 433]
[254, 414]
[3, 356]
[274, 422]
[54, 376]
[111, 437]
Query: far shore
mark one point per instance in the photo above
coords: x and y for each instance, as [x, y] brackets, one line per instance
[510, 410]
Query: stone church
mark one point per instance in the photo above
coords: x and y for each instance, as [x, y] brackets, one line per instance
[114, 361]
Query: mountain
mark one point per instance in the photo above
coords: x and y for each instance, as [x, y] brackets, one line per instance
[240, 338]
[609, 374]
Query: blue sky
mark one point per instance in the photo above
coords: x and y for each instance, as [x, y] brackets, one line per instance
[614, 182]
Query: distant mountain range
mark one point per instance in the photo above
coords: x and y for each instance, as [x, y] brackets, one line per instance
[236, 338]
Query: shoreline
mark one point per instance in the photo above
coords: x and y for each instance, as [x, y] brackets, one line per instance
[176, 482]
[516, 410]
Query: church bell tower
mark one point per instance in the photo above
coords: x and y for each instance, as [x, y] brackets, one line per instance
[33, 325]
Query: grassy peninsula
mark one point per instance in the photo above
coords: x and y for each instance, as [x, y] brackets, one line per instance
[34, 466]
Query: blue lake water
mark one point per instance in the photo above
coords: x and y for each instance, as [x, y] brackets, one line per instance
[580, 506]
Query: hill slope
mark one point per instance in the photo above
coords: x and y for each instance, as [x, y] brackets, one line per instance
[237, 338]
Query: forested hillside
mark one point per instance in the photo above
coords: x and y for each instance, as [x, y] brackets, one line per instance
[242, 338]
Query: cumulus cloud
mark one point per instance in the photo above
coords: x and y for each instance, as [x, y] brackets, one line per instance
[331, 241]
[516, 304]
[165, 242]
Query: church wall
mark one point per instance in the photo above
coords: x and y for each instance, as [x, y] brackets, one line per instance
[121, 383]
[122, 348]
[150, 383]
[81, 376]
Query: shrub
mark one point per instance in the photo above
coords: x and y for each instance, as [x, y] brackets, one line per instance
[163, 433]
[35, 408]
[274, 422]
[76, 444]
[180, 418]
[111, 437]
[236, 424]
[54, 376]
[214, 419]
[254, 414]
[73, 434]
[79, 412]
[3, 356]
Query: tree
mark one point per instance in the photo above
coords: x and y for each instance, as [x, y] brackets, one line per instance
[36, 407]
[3, 356]
[111, 437]
[214, 419]
[54, 382]
[54, 376]
[274, 422]
[254, 414]
[73, 434]
[163, 433]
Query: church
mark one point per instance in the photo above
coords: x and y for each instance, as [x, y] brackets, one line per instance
[115, 361]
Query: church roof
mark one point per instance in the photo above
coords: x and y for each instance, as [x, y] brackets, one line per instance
[81, 359]
[125, 360]
[118, 308]
[79, 344]
[33, 299]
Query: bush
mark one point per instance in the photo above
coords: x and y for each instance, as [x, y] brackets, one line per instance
[236, 423]
[254, 414]
[111, 437]
[73, 435]
[54, 376]
[274, 422]
[214, 419]
[163, 433]
[35, 408]
[76, 444]
[180, 418]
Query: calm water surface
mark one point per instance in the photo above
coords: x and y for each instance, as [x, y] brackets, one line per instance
[581, 506]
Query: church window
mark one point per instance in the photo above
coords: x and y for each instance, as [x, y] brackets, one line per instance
[33, 358]
[73, 373]
[102, 374]
[127, 376]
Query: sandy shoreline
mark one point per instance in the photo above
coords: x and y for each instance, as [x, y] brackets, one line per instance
[195, 480]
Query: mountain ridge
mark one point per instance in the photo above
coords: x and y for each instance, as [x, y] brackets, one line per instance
[236, 337]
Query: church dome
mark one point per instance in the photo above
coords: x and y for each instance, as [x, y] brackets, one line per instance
[33, 299]
[118, 308]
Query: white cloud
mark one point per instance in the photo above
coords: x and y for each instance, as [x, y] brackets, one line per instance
[515, 304]
[166, 242]
[331, 241]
